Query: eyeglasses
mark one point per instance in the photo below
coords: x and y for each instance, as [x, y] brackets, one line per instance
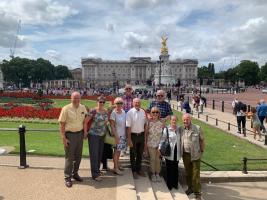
[101, 102]
[119, 103]
[155, 112]
[159, 95]
[128, 88]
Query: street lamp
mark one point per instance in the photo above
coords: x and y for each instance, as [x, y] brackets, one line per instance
[160, 61]
[200, 80]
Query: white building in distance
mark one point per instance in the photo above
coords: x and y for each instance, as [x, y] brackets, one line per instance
[138, 70]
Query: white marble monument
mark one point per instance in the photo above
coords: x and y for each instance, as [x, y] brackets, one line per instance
[164, 73]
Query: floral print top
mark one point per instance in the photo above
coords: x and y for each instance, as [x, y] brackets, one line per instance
[154, 133]
[99, 123]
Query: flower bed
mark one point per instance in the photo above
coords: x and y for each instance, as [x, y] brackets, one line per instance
[30, 112]
[36, 96]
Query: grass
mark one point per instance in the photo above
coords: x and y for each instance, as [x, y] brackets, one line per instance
[223, 151]
[44, 143]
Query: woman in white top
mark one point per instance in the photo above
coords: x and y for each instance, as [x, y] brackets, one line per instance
[118, 128]
[172, 160]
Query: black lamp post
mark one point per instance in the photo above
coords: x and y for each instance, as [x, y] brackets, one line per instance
[200, 80]
[160, 61]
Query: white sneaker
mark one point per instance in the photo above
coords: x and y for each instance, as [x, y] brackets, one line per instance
[158, 178]
[153, 178]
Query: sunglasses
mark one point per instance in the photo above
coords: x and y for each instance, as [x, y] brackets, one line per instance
[101, 102]
[119, 103]
[155, 112]
[160, 95]
[128, 88]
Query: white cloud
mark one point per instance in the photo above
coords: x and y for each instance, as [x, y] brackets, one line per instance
[145, 3]
[37, 12]
[222, 32]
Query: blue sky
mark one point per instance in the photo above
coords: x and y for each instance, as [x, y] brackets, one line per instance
[64, 31]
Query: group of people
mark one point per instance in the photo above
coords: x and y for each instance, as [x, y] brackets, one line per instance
[257, 115]
[141, 130]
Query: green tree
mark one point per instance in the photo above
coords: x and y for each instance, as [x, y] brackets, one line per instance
[263, 73]
[249, 72]
[62, 72]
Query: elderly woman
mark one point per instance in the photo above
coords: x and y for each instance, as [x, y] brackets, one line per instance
[99, 117]
[154, 133]
[118, 128]
[172, 160]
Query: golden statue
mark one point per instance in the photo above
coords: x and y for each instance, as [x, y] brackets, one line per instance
[164, 48]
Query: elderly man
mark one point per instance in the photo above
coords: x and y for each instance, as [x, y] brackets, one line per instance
[136, 126]
[162, 105]
[71, 128]
[128, 98]
[192, 147]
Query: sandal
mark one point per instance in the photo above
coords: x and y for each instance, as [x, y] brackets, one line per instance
[117, 172]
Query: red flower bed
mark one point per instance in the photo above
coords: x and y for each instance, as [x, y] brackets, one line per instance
[36, 96]
[30, 112]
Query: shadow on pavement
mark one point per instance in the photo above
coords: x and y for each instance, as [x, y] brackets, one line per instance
[211, 192]
[107, 182]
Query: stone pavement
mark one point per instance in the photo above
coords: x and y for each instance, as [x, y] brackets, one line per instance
[225, 117]
[44, 180]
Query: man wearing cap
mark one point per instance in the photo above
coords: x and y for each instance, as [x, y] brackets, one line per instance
[71, 128]
[128, 98]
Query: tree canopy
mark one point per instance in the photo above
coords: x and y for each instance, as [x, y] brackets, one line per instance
[23, 71]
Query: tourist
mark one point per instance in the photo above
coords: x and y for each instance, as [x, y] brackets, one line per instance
[127, 105]
[262, 113]
[187, 107]
[71, 128]
[136, 126]
[172, 160]
[235, 101]
[192, 148]
[99, 117]
[118, 129]
[162, 105]
[241, 109]
[154, 133]
[128, 98]
[256, 124]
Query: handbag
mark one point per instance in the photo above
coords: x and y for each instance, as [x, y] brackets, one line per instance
[165, 149]
[108, 138]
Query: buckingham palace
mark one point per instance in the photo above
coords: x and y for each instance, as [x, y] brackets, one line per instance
[138, 70]
[97, 72]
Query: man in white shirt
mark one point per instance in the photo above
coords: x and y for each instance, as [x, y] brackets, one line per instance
[136, 125]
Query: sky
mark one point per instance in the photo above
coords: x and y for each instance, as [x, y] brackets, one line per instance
[64, 31]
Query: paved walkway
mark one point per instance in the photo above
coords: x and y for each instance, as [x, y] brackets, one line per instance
[226, 117]
[44, 180]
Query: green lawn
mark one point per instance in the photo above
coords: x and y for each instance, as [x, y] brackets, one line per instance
[223, 151]
[44, 143]
[59, 103]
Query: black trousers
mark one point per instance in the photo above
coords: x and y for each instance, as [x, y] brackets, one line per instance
[261, 118]
[136, 152]
[107, 154]
[241, 120]
[172, 171]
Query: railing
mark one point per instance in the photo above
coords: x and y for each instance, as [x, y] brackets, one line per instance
[245, 160]
[228, 124]
[22, 144]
